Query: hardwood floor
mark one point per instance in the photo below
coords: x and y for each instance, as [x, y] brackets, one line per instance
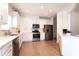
[40, 48]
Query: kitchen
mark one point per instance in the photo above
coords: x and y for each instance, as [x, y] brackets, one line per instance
[16, 30]
[24, 31]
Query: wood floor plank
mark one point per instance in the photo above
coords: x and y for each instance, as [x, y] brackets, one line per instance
[40, 48]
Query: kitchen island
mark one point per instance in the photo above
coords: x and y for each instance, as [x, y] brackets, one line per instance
[69, 45]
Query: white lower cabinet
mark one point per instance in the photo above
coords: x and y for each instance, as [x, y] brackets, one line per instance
[20, 40]
[42, 36]
[27, 37]
[6, 50]
[24, 37]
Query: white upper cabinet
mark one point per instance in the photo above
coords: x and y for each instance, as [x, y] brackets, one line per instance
[3, 13]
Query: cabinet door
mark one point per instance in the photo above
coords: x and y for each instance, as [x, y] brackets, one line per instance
[4, 13]
[20, 40]
[27, 37]
[42, 35]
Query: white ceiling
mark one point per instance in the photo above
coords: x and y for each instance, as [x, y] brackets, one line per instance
[42, 9]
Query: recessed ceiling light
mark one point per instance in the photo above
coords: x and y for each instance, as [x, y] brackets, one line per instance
[50, 10]
[42, 7]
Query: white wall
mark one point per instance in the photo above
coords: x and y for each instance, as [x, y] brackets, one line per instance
[63, 22]
[68, 21]
[26, 25]
[75, 23]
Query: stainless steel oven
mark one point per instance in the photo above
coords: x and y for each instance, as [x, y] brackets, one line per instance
[36, 33]
[36, 36]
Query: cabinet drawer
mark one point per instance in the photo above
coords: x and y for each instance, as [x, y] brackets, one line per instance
[8, 52]
[6, 48]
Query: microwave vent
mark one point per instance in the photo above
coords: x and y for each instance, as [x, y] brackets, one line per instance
[42, 17]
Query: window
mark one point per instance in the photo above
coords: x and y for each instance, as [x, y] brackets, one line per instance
[12, 22]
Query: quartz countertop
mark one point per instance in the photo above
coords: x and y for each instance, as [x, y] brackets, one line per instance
[4, 39]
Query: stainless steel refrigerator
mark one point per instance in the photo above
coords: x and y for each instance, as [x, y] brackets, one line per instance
[48, 29]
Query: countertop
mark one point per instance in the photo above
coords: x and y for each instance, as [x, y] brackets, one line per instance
[4, 39]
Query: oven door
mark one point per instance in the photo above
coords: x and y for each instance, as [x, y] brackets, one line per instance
[36, 36]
